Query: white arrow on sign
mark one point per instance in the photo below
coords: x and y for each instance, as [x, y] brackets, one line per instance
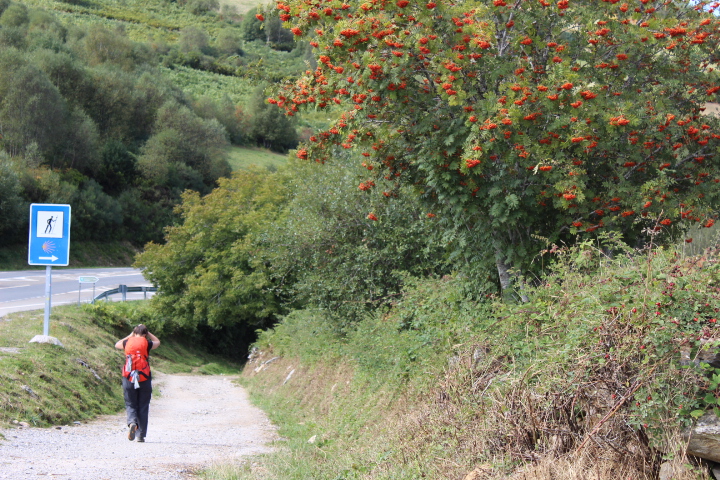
[52, 259]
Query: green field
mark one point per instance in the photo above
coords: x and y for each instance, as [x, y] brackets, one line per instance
[201, 83]
[241, 157]
[243, 6]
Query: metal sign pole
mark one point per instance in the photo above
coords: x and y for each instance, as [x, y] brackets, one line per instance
[87, 279]
[48, 294]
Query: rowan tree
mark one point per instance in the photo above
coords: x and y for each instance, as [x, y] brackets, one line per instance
[522, 122]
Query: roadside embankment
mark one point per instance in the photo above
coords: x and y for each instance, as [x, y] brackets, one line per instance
[596, 376]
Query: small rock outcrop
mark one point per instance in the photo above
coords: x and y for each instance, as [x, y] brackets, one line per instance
[704, 438]
[46, 339]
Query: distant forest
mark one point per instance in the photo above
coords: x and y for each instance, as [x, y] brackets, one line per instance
[117, 108]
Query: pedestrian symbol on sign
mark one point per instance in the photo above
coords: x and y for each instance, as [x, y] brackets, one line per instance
[48, 223]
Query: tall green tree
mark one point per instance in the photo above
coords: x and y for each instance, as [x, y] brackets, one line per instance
[186, 151]
[102, 45]
[124, 104]
[96, 215]
[269, 128]
[12, 205]
[69, 75]
[209, 271]
[251, 26]
[522, 122]
[347, 251]
[15, 15]
[31, 107]
[225, 112]
[119, 169]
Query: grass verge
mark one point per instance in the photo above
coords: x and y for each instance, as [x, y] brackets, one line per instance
[595, 377]
[47, 385]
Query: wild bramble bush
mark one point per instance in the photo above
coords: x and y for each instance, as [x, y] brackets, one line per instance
[594, 360]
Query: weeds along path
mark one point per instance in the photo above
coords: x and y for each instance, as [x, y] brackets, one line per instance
[195, 421]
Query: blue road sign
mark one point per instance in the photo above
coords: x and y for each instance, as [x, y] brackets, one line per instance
[49, 242]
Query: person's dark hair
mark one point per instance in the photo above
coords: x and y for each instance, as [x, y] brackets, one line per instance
[140, 330]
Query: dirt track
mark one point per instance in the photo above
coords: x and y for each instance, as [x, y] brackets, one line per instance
[196, 421]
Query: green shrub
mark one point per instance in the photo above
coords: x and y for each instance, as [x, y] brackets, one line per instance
[15, 15]
[209, 270]
[609, 358]
[333, 256]
[124, 316]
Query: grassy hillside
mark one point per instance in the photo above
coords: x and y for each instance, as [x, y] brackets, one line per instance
[82, 254]
[201, 83]
[47, 385]
[583, 381]
[243, 6]
[159, 23]
[142, 20]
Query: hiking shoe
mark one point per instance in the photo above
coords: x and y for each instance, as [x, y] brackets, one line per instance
[131, 433]
[141, 439]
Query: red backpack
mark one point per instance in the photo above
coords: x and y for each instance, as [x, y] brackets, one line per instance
[137, 367]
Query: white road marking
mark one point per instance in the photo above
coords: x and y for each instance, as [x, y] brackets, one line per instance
[23, 306]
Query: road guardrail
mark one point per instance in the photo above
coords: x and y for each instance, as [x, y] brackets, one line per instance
[124, 290]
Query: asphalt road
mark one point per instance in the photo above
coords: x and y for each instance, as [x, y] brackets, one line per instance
[25, 290]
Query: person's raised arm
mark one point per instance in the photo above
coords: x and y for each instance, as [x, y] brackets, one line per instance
[119, 344]
[156, 342]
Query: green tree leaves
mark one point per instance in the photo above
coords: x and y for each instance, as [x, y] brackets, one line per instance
[269, 127]
[210, 270]
[263, 243]
[185, 150]
[331, 254]
[31, 108]
[12, 206]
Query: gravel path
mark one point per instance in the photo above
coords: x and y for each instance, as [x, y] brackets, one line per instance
[196, 421]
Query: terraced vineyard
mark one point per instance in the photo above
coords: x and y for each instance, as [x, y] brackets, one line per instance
[243, 6]
[213, 85]
[142, 20]
[160, 24]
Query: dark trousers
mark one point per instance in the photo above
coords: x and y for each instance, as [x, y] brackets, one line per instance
[137, 404]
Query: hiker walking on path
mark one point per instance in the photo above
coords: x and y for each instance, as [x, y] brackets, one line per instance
[137, 379]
